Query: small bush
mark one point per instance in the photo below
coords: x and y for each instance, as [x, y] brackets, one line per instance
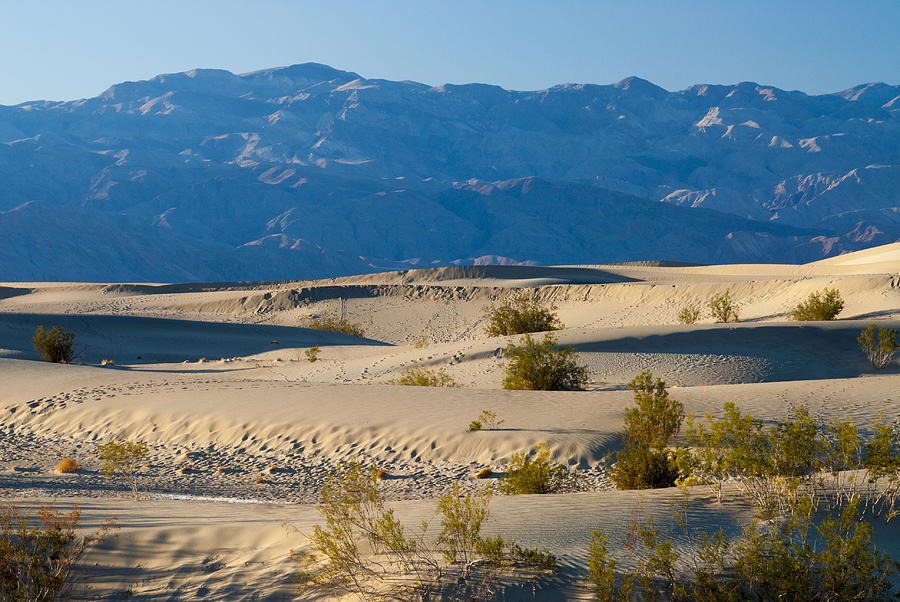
[312, 354]
[723, 308]
[879, 345]
[602, 572]
[537, 366]
[520, 315]
[645, 463]
[458, 565]
[486, 420]
[67, 465]
[422, 343]
[423, 377]
[819, 306]
[689, 314]
[536, 472]
[123, 458]
[335, 325]
[36, 557]
[54, 345]
[484, 473]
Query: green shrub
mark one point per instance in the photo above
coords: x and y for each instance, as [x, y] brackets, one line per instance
[520, 315]
[123, 458]
[418, 376]
[819, 306]
[645, 463]
[689, 314]
[537, 366]
[55, 345]
[36, 557]
[459, 564]
[536, 472]
[486, 420]
[879, 345]
[335, 325]
[778, 557]
[312, 354]
[602, 572]
[723, 308]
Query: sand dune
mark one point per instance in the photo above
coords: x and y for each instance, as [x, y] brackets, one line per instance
[257, 406]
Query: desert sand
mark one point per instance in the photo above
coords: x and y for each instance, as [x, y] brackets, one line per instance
[214, 377]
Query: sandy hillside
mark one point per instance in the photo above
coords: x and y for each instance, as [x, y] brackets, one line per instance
[215, 378]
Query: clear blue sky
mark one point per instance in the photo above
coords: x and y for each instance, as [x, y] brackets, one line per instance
[54, 49]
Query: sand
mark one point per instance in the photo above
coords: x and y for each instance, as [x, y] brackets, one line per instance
[215, 378]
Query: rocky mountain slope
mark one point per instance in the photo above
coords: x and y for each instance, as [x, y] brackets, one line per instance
[307, 171]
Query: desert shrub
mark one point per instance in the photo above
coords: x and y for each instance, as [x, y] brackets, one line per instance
[520, 315]
[879, 345]
[122, 458]
[689, 314]
[36, 557]
[819, 306]
[332, 324]
[54, 345]
[537, 366]
[608, 587]
[723, 307]
[458, 564]
[422, 343]
[789, 556]
[642, 468]
[536, 472]
[312, 354]
[645, 463]
[67, 465]
[484, 473]
[487, 420]
[419, 376]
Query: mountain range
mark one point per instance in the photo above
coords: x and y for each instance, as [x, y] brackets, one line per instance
[308, 172]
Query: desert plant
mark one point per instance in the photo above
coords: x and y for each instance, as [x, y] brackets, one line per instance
[36, 557]
[484, 473]
[459, 564]
[819, 306]
[520, 315]
[537, 366]
[723, 307]
[787, 556]
[536, 472]
[419, 376]
[312, 354]
[67, 465]
[602, 572]
[123, 458]
[689, 314]
[879, 345]
[487, 420]
[331, 324]
[645, 463]
[422, 343]
[54, 345]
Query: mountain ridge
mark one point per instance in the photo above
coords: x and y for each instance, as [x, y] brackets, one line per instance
[320, 172]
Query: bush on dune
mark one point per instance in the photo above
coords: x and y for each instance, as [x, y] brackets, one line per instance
[419, 376]
[520, 315]
[534, 366]
[363, 550]
[37, 556]
[820, 306]
[54, 345]
[335, 325]
[645, 463]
